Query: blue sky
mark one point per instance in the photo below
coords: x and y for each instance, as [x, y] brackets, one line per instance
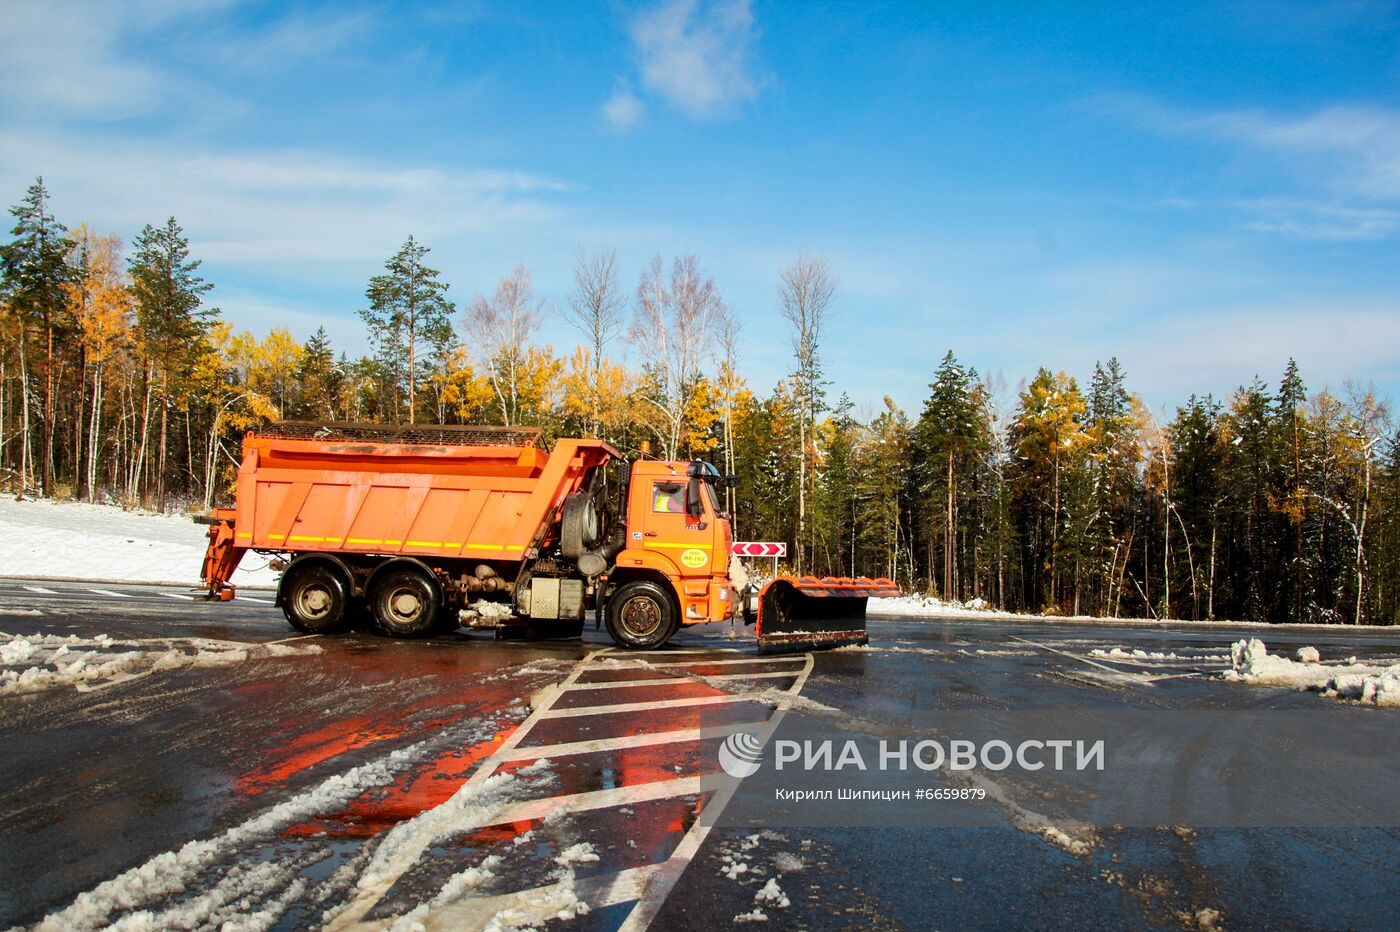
[1201, 191]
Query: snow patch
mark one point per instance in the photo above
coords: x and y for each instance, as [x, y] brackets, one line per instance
[1369, 684]
[770, 894]
[39, 537]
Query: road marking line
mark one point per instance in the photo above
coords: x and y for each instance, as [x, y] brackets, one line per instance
[177, 595]
[672, 868]
[645, 706]
[684, 678]
[643, 664]
[1063, 653]
[115, 595]
[625, 742]
[40, 589]
[249, 598]
[603, 799]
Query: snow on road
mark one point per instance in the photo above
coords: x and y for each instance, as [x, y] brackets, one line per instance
[1372, 684]
[35, 663]
[83, 541]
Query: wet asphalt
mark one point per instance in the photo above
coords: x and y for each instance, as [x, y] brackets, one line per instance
[97, 782]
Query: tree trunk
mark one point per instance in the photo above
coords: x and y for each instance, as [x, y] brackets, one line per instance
[78, 428]
[94, 432]
[25, 450]
[1361, 537]
[948, 534]
[46, 483]
[164, 430]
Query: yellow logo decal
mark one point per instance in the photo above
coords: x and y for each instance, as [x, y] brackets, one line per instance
[694, 558]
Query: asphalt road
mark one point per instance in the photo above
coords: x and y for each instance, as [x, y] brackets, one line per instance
[220, 767]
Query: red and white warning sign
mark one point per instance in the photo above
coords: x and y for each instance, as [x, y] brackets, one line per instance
[752, 548]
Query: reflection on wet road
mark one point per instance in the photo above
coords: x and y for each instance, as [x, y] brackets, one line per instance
[460, 782]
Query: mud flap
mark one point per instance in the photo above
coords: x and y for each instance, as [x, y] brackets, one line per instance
[806, 613]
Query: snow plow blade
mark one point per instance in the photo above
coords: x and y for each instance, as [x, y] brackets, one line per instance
[806, 613]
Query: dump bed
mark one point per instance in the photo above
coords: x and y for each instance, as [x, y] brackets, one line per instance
[442, 492]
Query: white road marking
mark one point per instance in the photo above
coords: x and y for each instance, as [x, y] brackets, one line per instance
[622, 743]
[109, 592]
[643, 663]
[249, 598]
[681, 677]
[177, 595]
[40, 589]
[629, 658]
[647, 887]
[645, 706]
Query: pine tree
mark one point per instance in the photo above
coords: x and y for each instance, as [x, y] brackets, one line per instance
[407, 309]
[33, 272]
[1292, 395]
[951, 431]
[171, 319]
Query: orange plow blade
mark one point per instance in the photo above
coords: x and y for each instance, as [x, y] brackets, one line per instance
[805, 613]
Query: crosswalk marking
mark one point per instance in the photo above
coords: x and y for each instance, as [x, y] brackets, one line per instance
[109, 592]
[40, 589]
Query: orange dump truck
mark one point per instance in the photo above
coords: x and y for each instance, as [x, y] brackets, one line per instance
[422, 529]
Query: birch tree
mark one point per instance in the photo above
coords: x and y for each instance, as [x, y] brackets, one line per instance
[597, 309]
[499, 329]
[805, 291]
[673, 330]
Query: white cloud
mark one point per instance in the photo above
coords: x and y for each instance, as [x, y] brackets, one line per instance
[696, 56]
[623, 108]
[69, 58]
[274, 208]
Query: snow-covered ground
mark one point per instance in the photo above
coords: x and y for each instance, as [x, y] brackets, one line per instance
[923, 606]
[40, 538]
[1372, 684]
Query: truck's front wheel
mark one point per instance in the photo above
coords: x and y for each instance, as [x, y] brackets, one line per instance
[405, 603]
[315, 599]
[641, 615]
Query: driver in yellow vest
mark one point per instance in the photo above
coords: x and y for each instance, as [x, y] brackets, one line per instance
[670, 498]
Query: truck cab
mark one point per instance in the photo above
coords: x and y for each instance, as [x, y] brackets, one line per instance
[674, 566]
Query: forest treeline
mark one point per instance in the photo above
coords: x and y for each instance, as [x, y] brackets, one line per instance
[119, 380]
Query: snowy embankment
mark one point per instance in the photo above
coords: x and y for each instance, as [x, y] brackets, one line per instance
[1371, 684]
[923, 606]
[74, 540]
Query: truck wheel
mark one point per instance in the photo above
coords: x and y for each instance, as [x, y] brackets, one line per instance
[405, 604]
[578, 526]
[641, 616]
[315, 599]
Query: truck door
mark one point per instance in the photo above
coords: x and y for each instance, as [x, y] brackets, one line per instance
[688, 539]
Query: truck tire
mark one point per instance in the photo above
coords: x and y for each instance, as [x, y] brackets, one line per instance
[405, 603]
[642, 615]
[578, 527]
[315, 599]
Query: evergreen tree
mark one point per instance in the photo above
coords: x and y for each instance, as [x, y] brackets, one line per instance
[407, 309]
[949, 436]
[171, 320]
[1292, 395]
[33, 272]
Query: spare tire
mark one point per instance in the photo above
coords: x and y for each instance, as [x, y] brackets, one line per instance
[579, 527]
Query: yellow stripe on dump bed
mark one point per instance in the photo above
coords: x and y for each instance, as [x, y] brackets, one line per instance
[679, 546]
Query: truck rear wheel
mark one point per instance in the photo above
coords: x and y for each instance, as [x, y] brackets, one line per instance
[405, 603]
[641, 616]
[315, 599]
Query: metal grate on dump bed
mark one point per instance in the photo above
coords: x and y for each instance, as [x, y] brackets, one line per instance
[475, 435]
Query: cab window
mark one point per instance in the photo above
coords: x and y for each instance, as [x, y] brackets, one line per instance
[668, 498]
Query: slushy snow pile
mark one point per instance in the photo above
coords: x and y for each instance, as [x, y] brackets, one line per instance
[1251, 662]
[36, 662]
[82, 541]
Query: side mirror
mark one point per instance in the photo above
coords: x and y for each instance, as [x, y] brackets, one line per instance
[694, 504]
